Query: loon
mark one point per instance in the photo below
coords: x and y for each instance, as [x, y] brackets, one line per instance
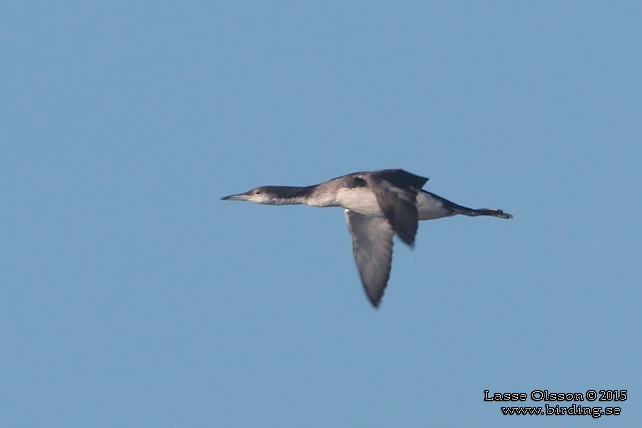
[378, 205]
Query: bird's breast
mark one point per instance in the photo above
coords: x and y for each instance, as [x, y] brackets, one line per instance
[361, 200]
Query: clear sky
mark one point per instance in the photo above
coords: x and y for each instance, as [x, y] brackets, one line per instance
[131, 296]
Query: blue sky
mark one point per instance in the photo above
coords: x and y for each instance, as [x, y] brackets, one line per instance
[132, 296]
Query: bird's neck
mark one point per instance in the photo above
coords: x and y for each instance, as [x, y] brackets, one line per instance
[317, 196]
[291, 195]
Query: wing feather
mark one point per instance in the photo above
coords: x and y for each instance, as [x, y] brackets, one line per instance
[372, 245]
[396, 191]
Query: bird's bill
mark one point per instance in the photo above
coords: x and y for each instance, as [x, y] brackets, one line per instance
[239, 197]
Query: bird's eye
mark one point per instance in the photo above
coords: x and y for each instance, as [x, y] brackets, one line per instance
[257, 192]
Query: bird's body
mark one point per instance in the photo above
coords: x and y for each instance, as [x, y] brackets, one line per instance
[429, 207]
[378, 205]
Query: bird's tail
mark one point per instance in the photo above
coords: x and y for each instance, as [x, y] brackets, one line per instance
[493, 212]
[454, 209]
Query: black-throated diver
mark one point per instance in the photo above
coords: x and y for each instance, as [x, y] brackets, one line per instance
[377, 205]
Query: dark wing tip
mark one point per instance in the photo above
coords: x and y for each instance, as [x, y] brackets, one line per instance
[375, 299]
[407, 236]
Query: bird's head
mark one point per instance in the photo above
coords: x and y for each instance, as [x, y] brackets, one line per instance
[268, 195]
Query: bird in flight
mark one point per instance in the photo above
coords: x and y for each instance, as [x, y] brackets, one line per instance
[378, 205]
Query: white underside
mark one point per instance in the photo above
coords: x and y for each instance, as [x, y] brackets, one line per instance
[430, 208]
[364, 201]
[361, 200]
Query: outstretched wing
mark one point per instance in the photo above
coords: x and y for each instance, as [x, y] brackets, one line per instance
[396, 191]
[372, 245]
